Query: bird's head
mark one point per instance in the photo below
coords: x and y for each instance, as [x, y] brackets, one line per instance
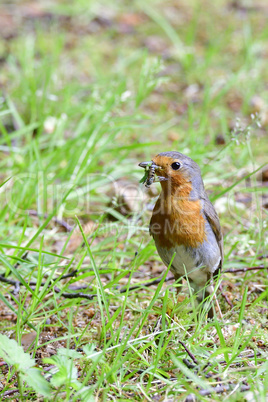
[174, 169]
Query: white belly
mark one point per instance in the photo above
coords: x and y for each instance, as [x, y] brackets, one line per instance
[196, 263]
[183, 263]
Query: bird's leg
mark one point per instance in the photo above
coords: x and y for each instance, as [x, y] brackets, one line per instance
[215, 296]
[178, 280]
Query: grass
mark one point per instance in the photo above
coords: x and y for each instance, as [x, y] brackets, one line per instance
[89, 90]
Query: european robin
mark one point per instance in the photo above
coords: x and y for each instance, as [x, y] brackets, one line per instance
[185, 222]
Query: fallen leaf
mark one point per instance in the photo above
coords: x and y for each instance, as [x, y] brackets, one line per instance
[28, 340]
[220, 140]
[132, 19]
[264, 174]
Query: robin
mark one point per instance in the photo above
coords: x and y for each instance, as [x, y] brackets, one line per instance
[185, 224]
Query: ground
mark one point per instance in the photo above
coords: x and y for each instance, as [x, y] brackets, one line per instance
[87, 91]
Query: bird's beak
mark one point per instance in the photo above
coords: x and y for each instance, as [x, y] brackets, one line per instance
[156, 167]
[145, 164]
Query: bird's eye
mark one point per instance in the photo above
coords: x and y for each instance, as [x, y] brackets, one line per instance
[176, 165]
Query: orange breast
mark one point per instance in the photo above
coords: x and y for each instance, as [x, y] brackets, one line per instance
[177, 220]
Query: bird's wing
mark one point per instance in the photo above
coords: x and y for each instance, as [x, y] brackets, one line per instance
[214, 222]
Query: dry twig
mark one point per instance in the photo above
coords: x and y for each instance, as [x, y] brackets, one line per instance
[190, 354]
[234, 270]
[33, 283]
[60, 222]
[224, 295]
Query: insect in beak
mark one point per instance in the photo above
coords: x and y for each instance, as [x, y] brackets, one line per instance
[149, 176]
